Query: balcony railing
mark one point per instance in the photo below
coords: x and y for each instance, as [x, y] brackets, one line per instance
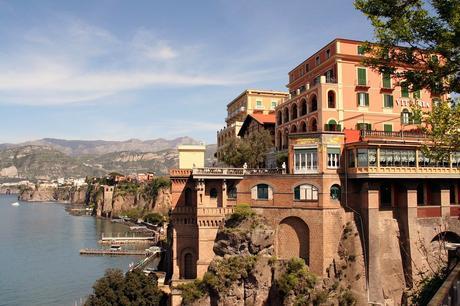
[180, 172]
[400, 134]
[236, 171]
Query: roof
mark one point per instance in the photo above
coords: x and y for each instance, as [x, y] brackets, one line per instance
[260, 118]
[258, 91]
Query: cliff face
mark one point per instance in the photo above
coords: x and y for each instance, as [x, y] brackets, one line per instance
[246, 272]
[66, 194]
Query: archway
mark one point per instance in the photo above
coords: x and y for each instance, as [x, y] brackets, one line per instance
[286, 115]
[293, 128]
[331, 99]
[188, 270]
[293, 239]
[313, 104]
[303, 126]
[279, 118]
[303, 107]
[294, 111]
[312, 125]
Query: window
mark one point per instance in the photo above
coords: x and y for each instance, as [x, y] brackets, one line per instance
[333, 158]
[317, 60]
[386, 80]
[417, 94]
[388, 101]
[404, 92]
[351, 159]
[328, 53]
[330, 99]
[367, 157]
[274, 104]
[329, 76]
[397, 158]
[262, 192]
[307, 67]
[362, 78]
[363, 126]
[305, 160]
[306, 192]
[388, 128]
[335, 192]
[363, 99]
[213, 193]
[259, 105]
[361, 50]
[232, 193]
[405, 117]
[316, 80]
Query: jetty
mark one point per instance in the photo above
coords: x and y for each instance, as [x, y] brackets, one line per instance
[113, 252]
[129, 239]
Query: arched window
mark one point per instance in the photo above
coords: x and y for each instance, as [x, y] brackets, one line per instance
[303, 107]
[332, 125]
[313, 104]
[280, 140]
[231, 192]
[385, 195]
[294, 111]
[306, 192]
[303, 126]
[261, 192]
[213, 193]
[286, 115]
[335, 192]
[279, 117]
[331, 99]
[293, 128]
[189, 268]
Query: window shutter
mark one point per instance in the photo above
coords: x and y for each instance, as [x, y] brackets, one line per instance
[387, 128]
[366, 95]
[386, 80]
[405, 92]
[390, 101]
[362, 76]
[357, 99]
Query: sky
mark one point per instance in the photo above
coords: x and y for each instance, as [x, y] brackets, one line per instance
[116, 70]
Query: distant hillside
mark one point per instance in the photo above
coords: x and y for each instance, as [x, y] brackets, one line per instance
[93, 147]
[46, 162]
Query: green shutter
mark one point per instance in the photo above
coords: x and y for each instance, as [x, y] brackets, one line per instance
[366, 95]
[360, 50]
[386, 80]
[387, 128]
[404, 92]
[362, 76]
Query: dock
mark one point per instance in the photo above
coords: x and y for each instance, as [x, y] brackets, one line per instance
[129, 240]
[113, 252]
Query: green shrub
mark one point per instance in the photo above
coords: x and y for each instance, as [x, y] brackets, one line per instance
[133, 213]
[346, 298]
[240, 212]
[296, 278]
[192, 291]
[152, 189]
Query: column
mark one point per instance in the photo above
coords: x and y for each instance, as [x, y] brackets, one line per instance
[224, 193]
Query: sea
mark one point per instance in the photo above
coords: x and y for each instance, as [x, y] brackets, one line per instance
[40, 262]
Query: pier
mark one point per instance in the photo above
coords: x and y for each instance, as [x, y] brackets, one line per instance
[129, 239]
[113, 252]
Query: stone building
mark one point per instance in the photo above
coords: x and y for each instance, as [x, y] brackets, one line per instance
[354, 155]
[250, 101]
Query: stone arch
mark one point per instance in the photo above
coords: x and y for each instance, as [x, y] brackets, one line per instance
[447, 236]
[286, 115]
[303, 127]
[188, 264]
[294, 111]
[303, 107]
[293, 128]
[279, 117]
[313, 105]
[293, 239]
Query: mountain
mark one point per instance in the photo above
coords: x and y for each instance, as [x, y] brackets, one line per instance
[92, 147]
[54, 158]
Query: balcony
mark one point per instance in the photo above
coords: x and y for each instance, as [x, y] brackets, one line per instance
[400, 134]
[180, 172]
[232, 173]
[333, 127]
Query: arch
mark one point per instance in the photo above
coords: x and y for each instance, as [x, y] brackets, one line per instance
[303, 107]
[286, 115]
[188, 266]
[293, 239]
[447, 236]
[293, 111]
[313, 105]
[279, 117]
[293, 128]
[312, 125]
[336, 192]
[285, 139]
[188, 197]
[303, 126]
[331, 99]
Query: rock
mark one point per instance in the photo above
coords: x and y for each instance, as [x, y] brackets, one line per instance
[11, 171]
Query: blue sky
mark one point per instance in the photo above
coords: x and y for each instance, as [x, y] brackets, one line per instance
[116, 70]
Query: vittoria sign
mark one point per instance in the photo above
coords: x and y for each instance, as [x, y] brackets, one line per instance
[410, 102]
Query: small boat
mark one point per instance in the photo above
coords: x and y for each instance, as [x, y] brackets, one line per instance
[115, 247]
[15, 204]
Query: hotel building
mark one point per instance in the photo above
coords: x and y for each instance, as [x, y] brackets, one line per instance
[354, 156]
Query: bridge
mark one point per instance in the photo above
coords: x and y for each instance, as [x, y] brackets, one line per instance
[152, 259]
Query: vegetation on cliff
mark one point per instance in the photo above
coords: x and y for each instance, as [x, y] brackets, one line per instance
[133, 288]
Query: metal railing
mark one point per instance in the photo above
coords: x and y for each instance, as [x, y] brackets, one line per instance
[237, 171]
[400, 134]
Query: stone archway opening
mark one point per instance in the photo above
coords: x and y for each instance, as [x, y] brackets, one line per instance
[188, 267]
[293, 239]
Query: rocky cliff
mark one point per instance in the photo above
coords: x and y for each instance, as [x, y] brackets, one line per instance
[246, 272]
[66, 194]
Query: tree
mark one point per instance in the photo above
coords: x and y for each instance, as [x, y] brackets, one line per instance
[134, 288]
[425, 36]
[251, 150]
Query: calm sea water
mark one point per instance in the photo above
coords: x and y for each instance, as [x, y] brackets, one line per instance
[39, 254]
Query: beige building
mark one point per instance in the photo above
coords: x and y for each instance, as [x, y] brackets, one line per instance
[250, 101]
